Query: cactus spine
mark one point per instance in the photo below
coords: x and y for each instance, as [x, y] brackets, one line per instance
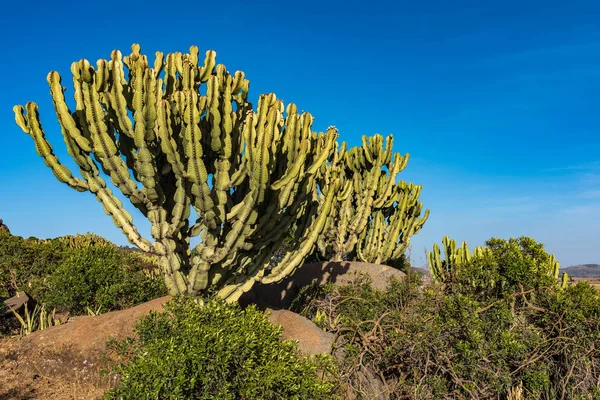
[374, 217]
[250, 176]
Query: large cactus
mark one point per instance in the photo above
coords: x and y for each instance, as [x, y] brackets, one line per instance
[374, 216]
[251, 176]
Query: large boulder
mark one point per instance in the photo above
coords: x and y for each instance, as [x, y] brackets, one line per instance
[42, 364]
[280, 295]
[81, 342]
[87, 335]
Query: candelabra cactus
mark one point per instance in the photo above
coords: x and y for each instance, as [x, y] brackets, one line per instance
[374, 217]
[251, 176]
[455, 256]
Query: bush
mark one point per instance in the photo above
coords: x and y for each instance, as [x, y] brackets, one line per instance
[500, 324]
[72, 273]
[25, 263]
[504, 268]
[215, 351]
[102, 278]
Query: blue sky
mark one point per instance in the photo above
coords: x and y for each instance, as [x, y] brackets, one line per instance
[498, 104]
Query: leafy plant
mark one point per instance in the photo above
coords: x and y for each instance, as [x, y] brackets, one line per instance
[36, 320]
[499, 326]
[100, 278]
[498, 269]
[25, 263]
[215, 351]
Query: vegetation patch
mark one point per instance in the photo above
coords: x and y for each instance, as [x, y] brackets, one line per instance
[78, 275]
[212, 350]
[499, 327]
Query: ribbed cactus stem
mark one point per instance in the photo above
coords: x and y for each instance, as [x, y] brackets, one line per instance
[178, 134]
[375, 216]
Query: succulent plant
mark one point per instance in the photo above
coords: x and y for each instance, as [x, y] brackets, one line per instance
[181, 134]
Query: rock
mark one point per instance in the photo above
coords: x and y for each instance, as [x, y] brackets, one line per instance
[17, 303]
[425, 275]
[367, 386]
[311, 339]
[280, 295]
[88, 334]
[3, 227]
[85, 337]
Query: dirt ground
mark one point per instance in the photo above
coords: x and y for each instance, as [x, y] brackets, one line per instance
[46, 376]
[66, 362]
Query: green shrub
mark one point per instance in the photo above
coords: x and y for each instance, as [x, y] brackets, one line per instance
[25, 263]
[73, 273]
[463, 341]
[102, 278]
[503, 268]
[215, 351]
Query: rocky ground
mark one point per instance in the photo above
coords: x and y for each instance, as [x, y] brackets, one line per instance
[66, 361]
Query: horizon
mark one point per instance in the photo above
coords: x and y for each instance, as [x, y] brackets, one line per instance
[497, 104]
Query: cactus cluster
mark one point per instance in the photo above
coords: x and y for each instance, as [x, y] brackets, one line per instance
[454, 258]
[374, 216]
[181, 134]
[442, 270]
[86, 240]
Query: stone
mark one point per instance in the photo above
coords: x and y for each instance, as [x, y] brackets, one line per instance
[280, 295]
[17, 303]
[87, 335]
[311, 339]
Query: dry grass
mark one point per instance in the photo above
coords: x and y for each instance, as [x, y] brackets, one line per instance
[594, 281]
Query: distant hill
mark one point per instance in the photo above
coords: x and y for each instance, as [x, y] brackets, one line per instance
[583, 270]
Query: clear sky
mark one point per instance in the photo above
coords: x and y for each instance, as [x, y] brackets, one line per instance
[497, 102]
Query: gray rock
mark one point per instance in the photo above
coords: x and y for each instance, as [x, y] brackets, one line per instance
[17, 303]
[280, 295]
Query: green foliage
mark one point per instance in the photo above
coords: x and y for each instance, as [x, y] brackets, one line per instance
[401, 263]
[498, 323]
[25, 263]
[216, 351]
[499, 269]
[36, 320]
[72, 273]
[100, 277]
